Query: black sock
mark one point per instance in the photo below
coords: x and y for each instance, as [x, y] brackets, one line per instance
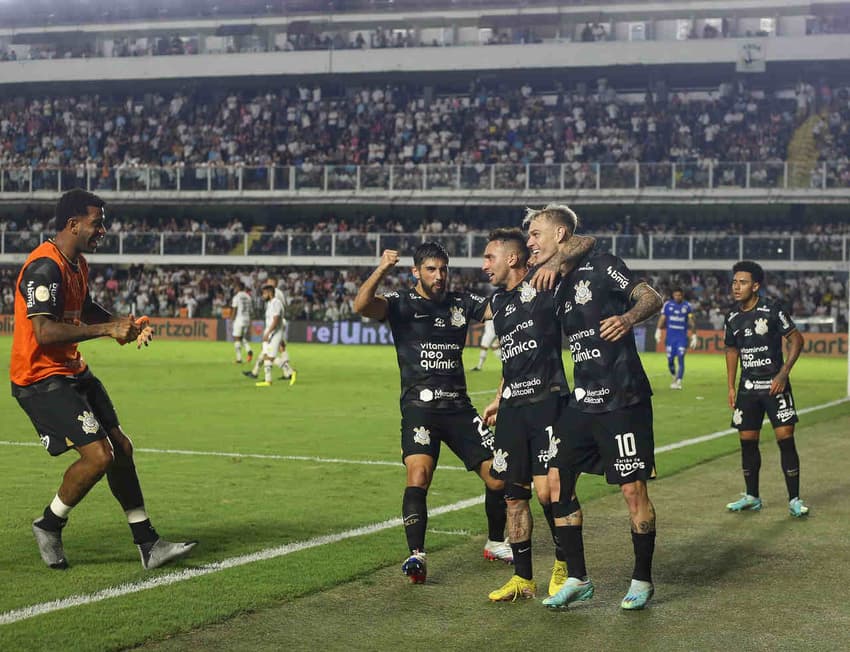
[123, 481]
[559, 551]
[522, 558]
[790, 466]
[572, 544]
[644, 545]
[751, 463]
[50, 522]
[497, 516]
[143, 532]
[414, 511]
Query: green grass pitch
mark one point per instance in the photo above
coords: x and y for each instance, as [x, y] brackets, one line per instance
[177, 399]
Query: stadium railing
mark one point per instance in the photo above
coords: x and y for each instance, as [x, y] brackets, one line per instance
[428, 178]
[216, 247]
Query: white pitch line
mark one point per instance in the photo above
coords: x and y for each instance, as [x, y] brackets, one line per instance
[17, 615]
[729, 431]
[447, 467]
[254, 456]
[167, 579]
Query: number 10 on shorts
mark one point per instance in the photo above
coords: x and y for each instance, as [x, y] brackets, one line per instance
[626, 444]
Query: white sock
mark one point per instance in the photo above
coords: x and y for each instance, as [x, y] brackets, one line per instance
[59, 508]
[482, 357]
[267, 370]
[238, 345]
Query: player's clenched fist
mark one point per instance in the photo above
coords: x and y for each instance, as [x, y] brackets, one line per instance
[146, 334]
[389, 259]
[129, 328]
[124, 329]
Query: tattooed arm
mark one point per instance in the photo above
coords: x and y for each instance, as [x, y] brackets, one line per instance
[646, 303]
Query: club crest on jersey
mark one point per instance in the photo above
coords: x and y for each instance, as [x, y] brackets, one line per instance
[583, 293]
[737, 417]
[90, 424]
[500, 461]
[421, 435]
[761, 326]
[527, 292]
[457, 316]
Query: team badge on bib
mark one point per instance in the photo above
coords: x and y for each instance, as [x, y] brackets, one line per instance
[583, 293]
[527, 292]
[500, 461]
[422, 435]
[457, 316]
[42, 293]
[761, 326]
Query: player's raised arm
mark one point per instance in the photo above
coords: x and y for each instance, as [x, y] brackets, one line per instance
[366, 303]
[647, 302]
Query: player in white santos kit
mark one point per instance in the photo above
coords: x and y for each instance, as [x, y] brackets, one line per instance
[488, 341]
[241, 304]
[282, 359]
[272, 336]
[272, 339]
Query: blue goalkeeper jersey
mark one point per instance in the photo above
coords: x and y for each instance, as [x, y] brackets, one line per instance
[676, 318]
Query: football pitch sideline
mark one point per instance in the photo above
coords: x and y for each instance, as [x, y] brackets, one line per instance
[250, 470]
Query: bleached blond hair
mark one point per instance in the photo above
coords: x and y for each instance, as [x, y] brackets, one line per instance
[558, 213]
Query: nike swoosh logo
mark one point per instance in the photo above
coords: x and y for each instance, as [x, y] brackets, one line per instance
[418, 316]
[626, 475]
[523, 550]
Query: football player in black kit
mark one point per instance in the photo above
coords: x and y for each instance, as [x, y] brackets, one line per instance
[429, 326]
[755, 330]
[607, 429]
[530, 398]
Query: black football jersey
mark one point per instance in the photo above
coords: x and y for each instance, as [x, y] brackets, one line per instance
[530, 340]
[758, 335]
[606, 375]
[429, 338]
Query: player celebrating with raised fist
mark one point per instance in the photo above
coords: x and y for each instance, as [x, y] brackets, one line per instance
[66, 403]
[429, 326]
